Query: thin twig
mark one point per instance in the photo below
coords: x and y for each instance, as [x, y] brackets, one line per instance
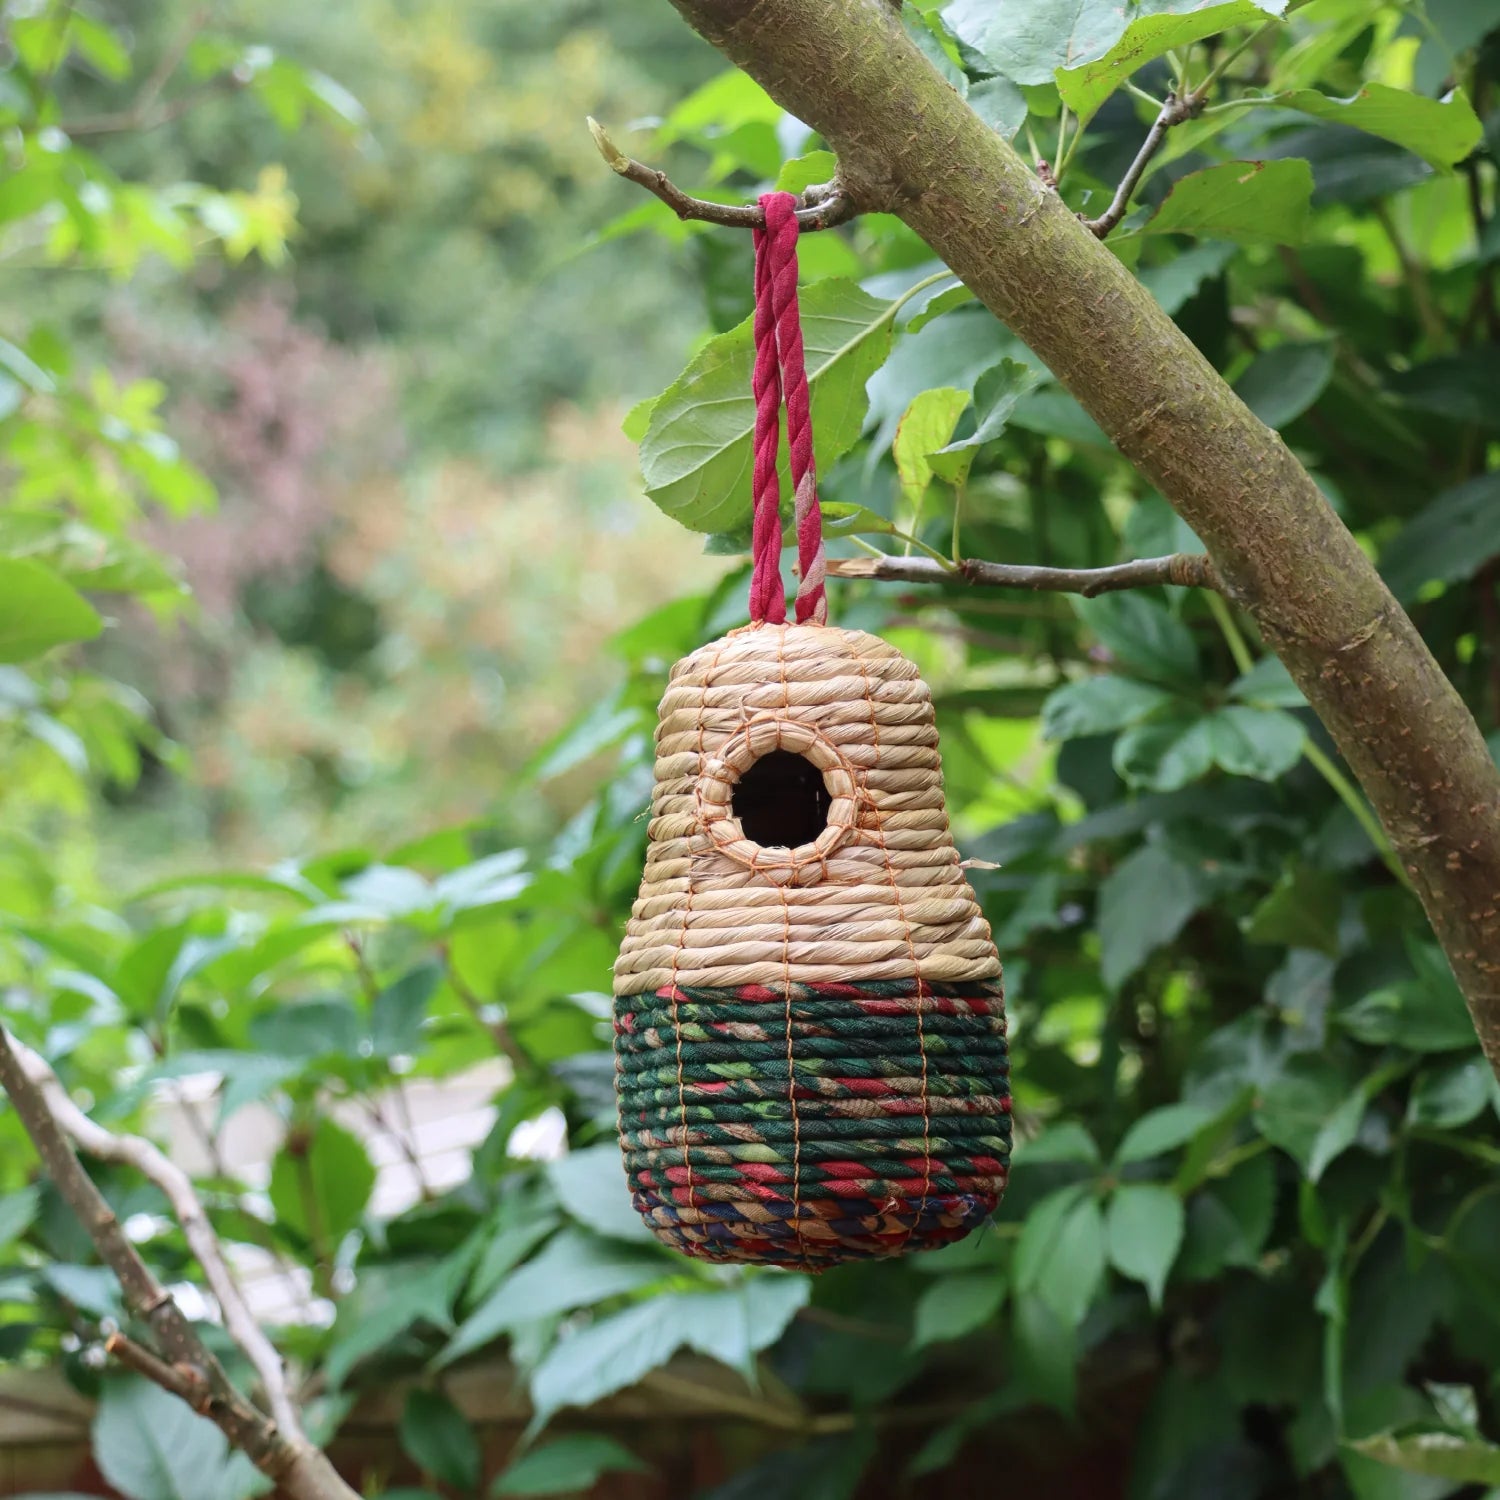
[821, 207]
[50, 1118]
[1187, 569]
[1173, 112]
[137, 1152]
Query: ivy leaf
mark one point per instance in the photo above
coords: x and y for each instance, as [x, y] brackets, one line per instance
[1250, 202]
[1143, 635]
[926, 426]
[696, 457]
[1441, 131]
[569, 1466]
[1060, 1254]
[1084, 89]
[955, 1305]
[38, 611]
[1099, 705]
[1145, 902]
[1144, 1229]
[1279, 385]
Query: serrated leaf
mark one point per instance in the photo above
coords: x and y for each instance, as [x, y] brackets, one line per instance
[731, 1326]
[1250, 202]
[438, 1439]
[926, 426]
[1440, 131]
[1060, 1254]
[1439, 1454]
[696, 456]
[1144, 1231]
[1164, 754]
[1261, 742]
[1448, 1097]
[591, 1185]
[1143, 904]
[1268, 684]
[1084, 89]
[1099, 705]
[1302, 912]
[999, 103]
[320, 1186]
[1448, 541]
[398, 1011]
[997, 393]
[1143, 635]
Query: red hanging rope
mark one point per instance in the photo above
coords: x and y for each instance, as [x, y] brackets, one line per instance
[781, 374]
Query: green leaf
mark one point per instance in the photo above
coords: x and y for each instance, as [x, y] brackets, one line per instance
[321, 1182]
[1046, 1354]
[1440, 131]
[802, 172]
[591, 1185]
[926, 426]
[696, 453]
[1144, 1229]
[1060, 1254]
[997, 393]
[403, 1297]
[17, 1214]
[575, 1270]
[1145, 902]
[438, 1439]
[1302, 912]
[1162, 1130]
[1173, 284]
[638, 419]
[1261, 742]
[1268, 684]
[1099, 705]
[844, 518]
[398, 1011]
[568, 1466]
[1143, 635]
[955, 1305]
[1427, 1014]
[1297, 1102]
[1165, 754]
[1085, 88]
[1000, 104]
[309, 1028]
[731, 1326]
[1229, 1219]
[1448, 1096]
[1448, 541]
[1443, 1455]
[1250, 202]
[1458, 387]
[1068, 1140]
[38, 611]
[1279, 385]
[150, 1445]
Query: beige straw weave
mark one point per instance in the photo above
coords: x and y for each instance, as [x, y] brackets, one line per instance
[878, 895]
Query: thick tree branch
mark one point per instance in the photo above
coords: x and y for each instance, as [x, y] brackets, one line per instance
[822, 206]
[51, 1119]
[1189, 569]
[908, 143]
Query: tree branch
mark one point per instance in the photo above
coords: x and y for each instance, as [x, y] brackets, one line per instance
[907, 143]
[1188, 569]
[1173, 112]
[822, 207]
[277, 1447]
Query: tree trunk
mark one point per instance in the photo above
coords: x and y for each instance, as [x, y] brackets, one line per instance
[909, 145]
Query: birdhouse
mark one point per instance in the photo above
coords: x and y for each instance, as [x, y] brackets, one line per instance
[809, 1023]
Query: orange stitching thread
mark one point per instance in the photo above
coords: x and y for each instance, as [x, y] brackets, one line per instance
[890, 871]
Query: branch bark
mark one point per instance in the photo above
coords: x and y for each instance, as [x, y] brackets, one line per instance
[908, 144]
[277, 1446]
[1192, 570]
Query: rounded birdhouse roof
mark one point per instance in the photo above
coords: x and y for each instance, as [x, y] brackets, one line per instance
[874, 891]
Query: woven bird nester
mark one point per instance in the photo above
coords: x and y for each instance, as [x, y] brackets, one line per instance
[809, 1022]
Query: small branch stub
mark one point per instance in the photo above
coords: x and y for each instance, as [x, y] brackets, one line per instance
[820, 207]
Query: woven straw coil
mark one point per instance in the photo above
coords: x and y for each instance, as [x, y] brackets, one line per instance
[810, 1041]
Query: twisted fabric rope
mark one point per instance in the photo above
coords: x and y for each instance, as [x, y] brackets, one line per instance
[780, 374]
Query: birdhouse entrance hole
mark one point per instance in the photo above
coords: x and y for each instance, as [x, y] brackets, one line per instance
[781, 801]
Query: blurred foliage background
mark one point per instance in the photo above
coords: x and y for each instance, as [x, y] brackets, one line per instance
[334, 611]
